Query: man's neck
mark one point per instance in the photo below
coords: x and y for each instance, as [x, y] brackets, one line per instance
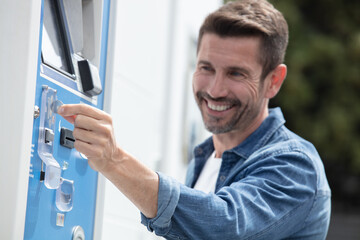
[229, 140]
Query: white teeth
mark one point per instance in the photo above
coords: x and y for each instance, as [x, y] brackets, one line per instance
[218, 108]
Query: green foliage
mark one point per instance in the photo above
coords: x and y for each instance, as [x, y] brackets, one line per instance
[320, 97]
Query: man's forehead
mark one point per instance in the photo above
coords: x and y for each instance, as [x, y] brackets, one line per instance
[242, 48]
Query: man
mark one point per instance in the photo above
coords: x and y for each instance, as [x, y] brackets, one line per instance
[253, 179]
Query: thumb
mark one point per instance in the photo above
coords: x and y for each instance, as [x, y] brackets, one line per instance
[69, 118]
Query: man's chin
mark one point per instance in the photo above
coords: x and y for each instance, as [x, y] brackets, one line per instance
[218, 129]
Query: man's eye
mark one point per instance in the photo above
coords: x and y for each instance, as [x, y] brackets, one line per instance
[236, 74]
[206, 68]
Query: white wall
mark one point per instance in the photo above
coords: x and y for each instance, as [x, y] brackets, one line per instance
[153, 53]
[19, 40]
[137, 93]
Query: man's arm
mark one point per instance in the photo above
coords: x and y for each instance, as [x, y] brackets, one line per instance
[94, 137]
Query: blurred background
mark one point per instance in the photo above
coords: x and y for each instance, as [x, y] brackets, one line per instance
[320, 98]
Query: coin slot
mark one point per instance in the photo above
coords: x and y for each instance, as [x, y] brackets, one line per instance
[66, 138]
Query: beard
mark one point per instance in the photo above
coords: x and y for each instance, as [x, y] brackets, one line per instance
[218, 125]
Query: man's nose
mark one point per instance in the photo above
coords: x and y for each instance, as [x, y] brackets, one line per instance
[218, 88]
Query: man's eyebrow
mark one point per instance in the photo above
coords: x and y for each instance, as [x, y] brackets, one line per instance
[231, 68]
[204, 62]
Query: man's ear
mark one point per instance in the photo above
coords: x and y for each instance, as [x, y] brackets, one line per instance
[277, 77]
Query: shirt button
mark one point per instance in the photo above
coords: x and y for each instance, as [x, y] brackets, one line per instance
[222, 178]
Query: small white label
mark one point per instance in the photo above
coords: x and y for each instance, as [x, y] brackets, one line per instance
[60, 218]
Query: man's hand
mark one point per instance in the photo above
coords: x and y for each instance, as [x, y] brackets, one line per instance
[94, 137]
[93, 133]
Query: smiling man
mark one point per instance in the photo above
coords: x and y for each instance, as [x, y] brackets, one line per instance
[231, 95]
[253, 178]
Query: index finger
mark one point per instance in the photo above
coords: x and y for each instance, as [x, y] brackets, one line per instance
[68, 110]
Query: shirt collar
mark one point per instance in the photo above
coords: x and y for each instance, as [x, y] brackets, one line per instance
[261, 135]
[252, 143]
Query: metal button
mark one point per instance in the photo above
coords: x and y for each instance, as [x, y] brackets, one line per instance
[78, 233]
[36, 112]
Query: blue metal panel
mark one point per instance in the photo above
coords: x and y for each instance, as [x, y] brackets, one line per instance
[42, 213]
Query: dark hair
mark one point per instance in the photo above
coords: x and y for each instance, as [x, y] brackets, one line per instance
[251, 18]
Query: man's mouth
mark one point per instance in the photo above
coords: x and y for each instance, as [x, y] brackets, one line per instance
[218, 108]
[217, 104]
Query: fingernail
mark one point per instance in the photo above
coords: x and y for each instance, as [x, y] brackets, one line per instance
[55, 106]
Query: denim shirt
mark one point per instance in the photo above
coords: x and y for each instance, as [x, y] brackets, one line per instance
[271, 186]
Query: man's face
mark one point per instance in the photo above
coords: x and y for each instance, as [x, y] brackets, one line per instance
[226, 82]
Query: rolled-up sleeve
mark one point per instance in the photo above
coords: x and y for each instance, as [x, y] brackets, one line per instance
[168, 198]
